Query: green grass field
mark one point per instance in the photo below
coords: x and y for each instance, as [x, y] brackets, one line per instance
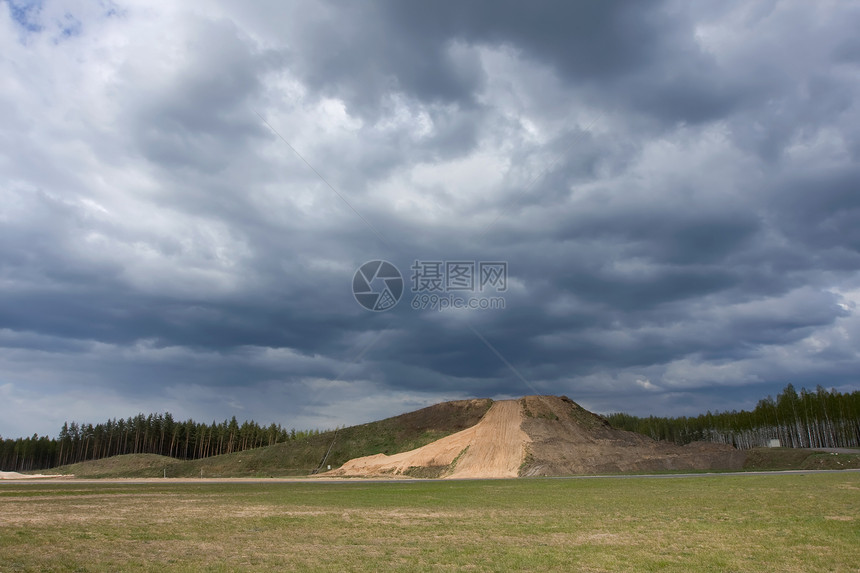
[709, 523]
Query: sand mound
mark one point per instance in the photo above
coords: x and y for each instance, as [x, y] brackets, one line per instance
[542, 435]
[494, 447]
[568, 439]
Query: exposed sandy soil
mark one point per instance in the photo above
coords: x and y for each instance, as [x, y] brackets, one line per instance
[498, 446]
[542, 435]
[567, 439]
[16, 475]
[494, 447]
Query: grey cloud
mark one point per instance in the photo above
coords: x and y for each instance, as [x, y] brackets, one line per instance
[821, 208]
[674, 207]
[202, 110]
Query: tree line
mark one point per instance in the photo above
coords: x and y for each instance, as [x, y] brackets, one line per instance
[819, 419]
[824, 418]
[152, 434]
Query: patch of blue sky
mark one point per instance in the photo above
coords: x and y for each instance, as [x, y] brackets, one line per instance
[70, 26]
[26, 13]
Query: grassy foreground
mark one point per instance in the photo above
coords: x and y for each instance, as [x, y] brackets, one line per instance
[714, 523]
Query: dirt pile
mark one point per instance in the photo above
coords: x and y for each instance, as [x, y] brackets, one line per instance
[568, 439]
[494, 447]
[541, 436]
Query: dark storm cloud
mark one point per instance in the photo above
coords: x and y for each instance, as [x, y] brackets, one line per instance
[673, 187]
[646, 54]
[586, 40]
[199, 113]
[820, 208]
[365, 62]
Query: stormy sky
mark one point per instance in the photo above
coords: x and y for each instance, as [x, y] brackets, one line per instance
[187, 190]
